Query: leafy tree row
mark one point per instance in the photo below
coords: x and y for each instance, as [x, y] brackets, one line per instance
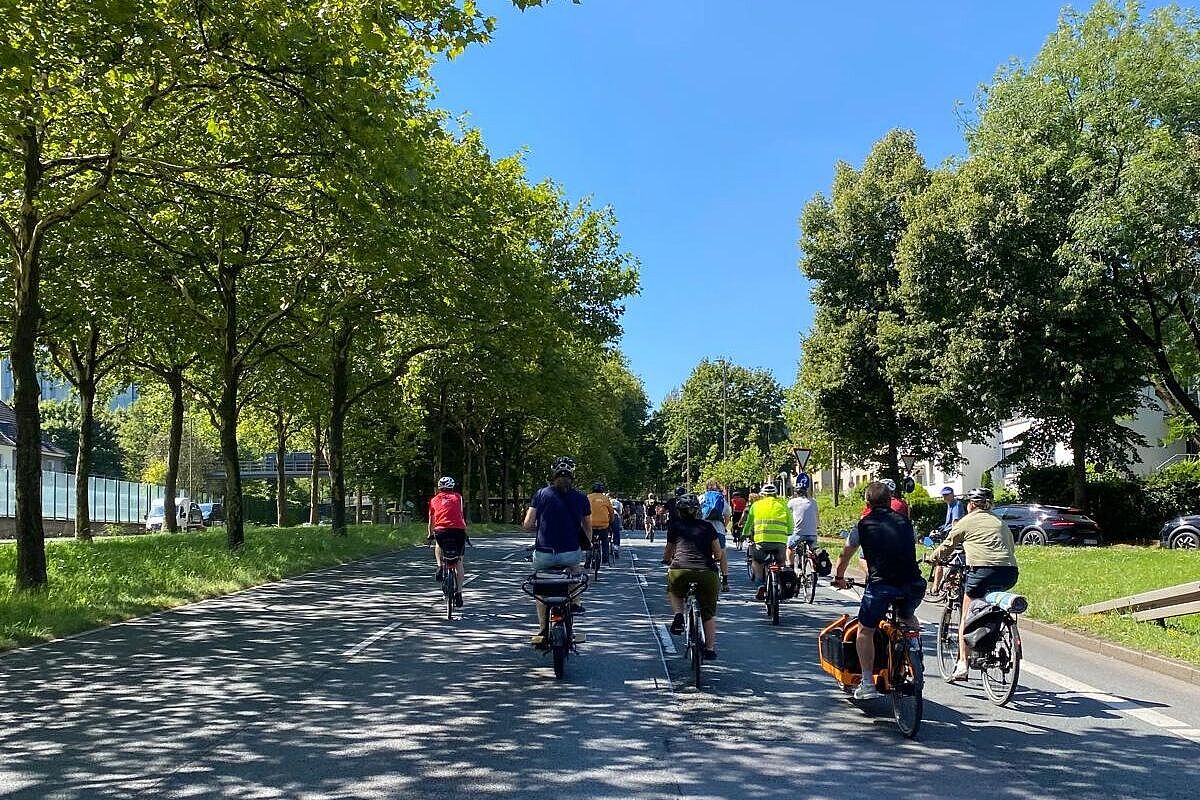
[1048, 274]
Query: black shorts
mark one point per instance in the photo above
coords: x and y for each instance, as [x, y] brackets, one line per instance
[981, 580]
[452, 541]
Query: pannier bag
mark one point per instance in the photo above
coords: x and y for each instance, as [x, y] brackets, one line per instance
[982, 627]
[824, 563]
[788, 583]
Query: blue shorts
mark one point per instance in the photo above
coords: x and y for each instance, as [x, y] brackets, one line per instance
[877, 597]
[571, 558]
[981, 580]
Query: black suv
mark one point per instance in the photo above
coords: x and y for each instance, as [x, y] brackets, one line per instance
[1037, 524]
[1182, 532]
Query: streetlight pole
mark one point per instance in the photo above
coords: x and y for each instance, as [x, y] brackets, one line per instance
[687, 449]
[724, 419]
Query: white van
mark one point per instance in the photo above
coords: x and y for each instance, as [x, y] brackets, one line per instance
[187, 515]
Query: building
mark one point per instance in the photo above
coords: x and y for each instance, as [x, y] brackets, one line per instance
[54, 389]
[978, 458]
[54, 459]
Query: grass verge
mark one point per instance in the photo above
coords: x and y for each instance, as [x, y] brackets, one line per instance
[1058, 580]
[117, 578]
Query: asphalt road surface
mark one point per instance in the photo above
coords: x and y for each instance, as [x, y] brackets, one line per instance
[350, 683]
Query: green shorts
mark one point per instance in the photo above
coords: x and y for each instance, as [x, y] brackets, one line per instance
[707, 588]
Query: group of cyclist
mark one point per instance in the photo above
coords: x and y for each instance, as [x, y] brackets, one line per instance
[567, 523]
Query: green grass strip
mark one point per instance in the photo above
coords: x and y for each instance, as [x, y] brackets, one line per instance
[117, 578]
[1058, 580]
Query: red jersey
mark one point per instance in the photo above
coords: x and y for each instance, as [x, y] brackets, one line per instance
[446, 511]
[737, 503]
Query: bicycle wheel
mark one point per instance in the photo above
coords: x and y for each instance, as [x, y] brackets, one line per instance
[448, 587]
[773, 597]
[810, 581]
[947, 643]
[908, 702]
[1002, 669]
[558, 647]
[696, 638]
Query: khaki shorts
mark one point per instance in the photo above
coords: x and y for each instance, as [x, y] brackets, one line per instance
[707, 588]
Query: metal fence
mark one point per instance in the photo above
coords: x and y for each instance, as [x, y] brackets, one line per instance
[111, 500]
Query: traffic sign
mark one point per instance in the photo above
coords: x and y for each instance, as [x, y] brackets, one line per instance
[802, 455]
[909, 461]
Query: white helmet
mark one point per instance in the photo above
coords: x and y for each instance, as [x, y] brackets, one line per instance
[768, 489]
[445, 484]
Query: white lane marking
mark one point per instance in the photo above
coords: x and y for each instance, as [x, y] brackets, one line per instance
[662, 652]
[664, 639]
[642, 580]
[1128, 708]
[370, 640]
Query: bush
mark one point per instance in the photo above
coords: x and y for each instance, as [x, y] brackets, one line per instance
[918, 493]
[927, 513]
[1050, 485]
[1175, 490]
[832, 521]
[1122, 508]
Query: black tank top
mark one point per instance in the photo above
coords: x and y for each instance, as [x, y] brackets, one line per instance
[890, 547]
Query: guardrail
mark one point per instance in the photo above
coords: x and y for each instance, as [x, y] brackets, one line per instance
[1177, 458]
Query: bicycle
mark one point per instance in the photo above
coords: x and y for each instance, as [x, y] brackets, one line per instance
[595, 556]
[693, 632]
[806, 571]
[557, 589]
[774, 588]
[900, 675]
[450, 587]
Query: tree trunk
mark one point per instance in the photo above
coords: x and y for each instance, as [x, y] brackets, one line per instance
[281, 432]
[1079, 468]
[376, 507]
[174, 380]
[340, 369]
[83, 457]
[227, 417]
[31, 537]
[314, 491]
[485, 500]
[466, 471]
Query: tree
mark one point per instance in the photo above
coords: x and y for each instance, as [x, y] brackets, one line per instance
[61, 424]
[854, 389]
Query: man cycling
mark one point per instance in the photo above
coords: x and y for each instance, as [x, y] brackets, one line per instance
[692, 553]
[562, 516]
[603, 514]
[737, 503]
[991, 560]
[768, 525]
[890, 548]
[448, 528]
[619, 523]
[715, 510]
[804, 523]
[955, 510]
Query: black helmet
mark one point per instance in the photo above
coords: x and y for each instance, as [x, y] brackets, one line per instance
[598, 486]
[563, 465]
[687, 504]
[981, 495]
[680, 491]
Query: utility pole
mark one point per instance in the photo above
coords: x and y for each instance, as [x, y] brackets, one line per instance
[687, 449]
[724, 420]
[837, 477]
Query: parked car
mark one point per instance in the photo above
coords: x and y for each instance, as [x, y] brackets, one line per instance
[1038, 524]
[1182, 532]
[187, 515]
[213, 513]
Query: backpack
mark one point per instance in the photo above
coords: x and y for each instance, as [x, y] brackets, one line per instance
[713, 507]
[601, 510]
[824, 563]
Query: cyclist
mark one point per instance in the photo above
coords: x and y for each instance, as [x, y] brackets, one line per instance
[897, 503]
[562, 517]
[890, 547]
[448, 528]
[768, 522]
[991, 559]
[715, 510]
[955, 510]
[804, 522]
[620, 515]
[692, 553]
[737, 503]
[602, 517]
[672, 514]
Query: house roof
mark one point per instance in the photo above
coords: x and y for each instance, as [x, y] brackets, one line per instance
[8, 433]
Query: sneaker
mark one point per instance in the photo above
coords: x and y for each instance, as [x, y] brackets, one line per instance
[959, 674]
[458, 599]
[865, 691]
[725, 583]
[761, 595]
[439, 575]
[677, 625]
[710, 655]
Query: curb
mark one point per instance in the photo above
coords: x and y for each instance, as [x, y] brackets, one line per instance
[1162, 665]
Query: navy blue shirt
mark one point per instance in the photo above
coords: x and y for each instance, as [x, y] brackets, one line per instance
[559, 518]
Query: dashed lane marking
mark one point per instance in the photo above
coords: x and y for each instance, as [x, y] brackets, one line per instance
[664, 639]
[370, 640]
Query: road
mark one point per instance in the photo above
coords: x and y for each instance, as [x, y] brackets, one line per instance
[349, 684]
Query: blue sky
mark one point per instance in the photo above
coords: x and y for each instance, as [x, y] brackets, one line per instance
[707, 125]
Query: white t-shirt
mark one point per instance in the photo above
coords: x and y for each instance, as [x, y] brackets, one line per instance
[804, 518]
